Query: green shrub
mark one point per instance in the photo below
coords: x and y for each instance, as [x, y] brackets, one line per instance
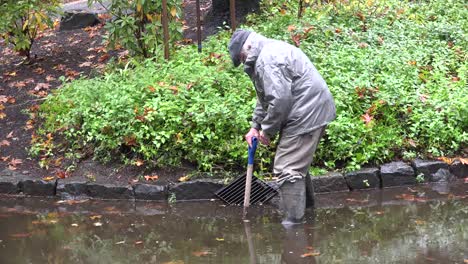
[397, 71]
[21, 21]
[137, 26]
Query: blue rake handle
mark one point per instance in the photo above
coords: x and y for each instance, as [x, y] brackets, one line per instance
[252, 151]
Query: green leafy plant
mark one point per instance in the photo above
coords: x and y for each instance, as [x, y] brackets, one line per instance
[21, 21]
[137, 26]
[397, 71]
[420, 178]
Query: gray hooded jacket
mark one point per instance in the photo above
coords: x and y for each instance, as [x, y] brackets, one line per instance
[292, 97]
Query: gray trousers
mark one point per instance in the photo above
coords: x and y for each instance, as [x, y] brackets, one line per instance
[293, 158]
[295, 154]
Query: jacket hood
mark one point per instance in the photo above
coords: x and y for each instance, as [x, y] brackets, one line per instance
[256, 42]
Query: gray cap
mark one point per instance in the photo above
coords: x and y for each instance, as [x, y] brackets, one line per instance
[235, 46]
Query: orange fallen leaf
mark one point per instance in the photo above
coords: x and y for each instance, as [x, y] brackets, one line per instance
[2, 115]
[42, 86]
[446, 160]
[85, 64]
[103, 57]
[466, 180]
[94, 217]
[21, 235]
[465, 261]
[151, 178]
[49, 178]
[464, 161]
[184, 178]
[139, 162]
[310, 254]
[61, 174]
[201, 253]
[4, 143]
[39, 70]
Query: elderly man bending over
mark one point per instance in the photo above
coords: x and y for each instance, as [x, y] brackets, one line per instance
[292, 100]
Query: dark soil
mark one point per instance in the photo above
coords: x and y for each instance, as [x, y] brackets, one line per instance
[71, 54]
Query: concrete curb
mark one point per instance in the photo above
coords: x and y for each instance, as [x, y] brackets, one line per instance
[388, 175]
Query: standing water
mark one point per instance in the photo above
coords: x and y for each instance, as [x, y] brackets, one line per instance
[421, 224]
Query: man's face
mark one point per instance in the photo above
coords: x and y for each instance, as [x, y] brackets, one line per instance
[244, 53]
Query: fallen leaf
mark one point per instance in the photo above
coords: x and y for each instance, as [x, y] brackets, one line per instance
[5, 158]
[39, 70]
[291, 28]
[367, 118]
[379, 213]
[406, 197]
[49, 178]
[90, 57]
[13, 73]
[139, 162]
[85, 64]
[2, 115]
[310, 254]
[21, 235]
[464, 161]
[446, 160]
[50, 78]
[3, 99]
[94, 217]
[466, 180]
[139, 242]
[10, 135]
[60, 67]
[74, 225]
[423, 97]
[219, 239]
[40, 86]
[120, 242]
[201, 253]
[356, 200]
[420, 222]
[71, 73]
[103, 57]
[14, 163]
[184, 178]
[151, 178]
[97, 224]
[61, 174]
[4, 143]
[465, 261]
[11, 100]
[21, 84]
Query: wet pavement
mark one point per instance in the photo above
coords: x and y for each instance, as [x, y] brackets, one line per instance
[423, 224]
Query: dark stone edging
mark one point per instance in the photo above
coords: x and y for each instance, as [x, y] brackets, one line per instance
[388, 175]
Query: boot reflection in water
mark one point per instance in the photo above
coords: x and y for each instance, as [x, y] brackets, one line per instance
[295, 245]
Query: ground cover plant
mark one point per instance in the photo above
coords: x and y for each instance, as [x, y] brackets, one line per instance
[397, 70]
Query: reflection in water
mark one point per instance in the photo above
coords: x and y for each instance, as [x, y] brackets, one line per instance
[417, 227]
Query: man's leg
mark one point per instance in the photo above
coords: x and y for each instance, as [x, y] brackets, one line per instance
[293, 158]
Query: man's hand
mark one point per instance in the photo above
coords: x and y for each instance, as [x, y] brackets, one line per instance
[252, 133]
[264, 139]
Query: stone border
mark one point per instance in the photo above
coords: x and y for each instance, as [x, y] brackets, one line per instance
[388, 175]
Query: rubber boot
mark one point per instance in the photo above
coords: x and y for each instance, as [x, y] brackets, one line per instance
[310, 201]
[293, 201]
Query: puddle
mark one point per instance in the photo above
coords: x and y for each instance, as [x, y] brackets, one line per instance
[402, 225]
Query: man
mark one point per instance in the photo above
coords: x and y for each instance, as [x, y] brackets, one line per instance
[292, 100]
